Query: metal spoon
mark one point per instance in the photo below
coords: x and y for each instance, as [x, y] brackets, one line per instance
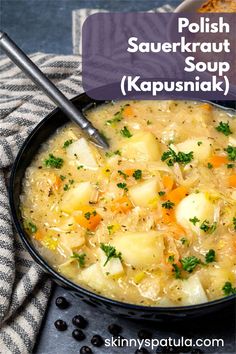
[36, 75]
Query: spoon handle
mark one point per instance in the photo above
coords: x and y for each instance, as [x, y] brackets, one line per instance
[36, 75]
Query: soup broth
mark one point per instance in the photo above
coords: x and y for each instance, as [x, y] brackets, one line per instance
[152, 221]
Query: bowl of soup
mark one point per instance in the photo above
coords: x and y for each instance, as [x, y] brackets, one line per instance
[145, 229]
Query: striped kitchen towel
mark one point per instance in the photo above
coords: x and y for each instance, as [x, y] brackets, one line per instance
[24, 289]
[79, 16]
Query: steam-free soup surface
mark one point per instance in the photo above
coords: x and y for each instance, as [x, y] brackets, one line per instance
[152, 221]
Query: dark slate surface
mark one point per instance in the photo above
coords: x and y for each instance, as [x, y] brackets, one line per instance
[45, 25]
[50, 341]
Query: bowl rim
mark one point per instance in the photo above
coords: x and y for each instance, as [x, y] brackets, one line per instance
[65, 281]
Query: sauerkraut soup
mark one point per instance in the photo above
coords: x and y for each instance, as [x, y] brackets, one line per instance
[152, 221]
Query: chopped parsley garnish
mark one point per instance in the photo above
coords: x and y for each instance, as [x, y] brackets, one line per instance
[161, 193]
[117, 118]
[66, 187]
[176, 270]
[234, 223]
[62, 177]
[110, 252]
[110, 154]
[88, 214]
[110, 229]
[171, 157]
[121, 173]
[206, 227]
[31, 227]
[67, 143]
[79, 167]
[194, 220]
[190, 263]
[171, 258]
[168, 204]
[71, 181]
[230, 165]
[209, 165]
[53, 161]
[125, 132]
[199, 143]
[231, 151]
[80, 258]
[149, 122]
[137, 174]
[184, 241]
[122, 186]
[224, 128]
[210, 256]
[228, 289]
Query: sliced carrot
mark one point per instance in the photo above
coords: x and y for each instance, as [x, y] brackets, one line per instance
[122, 205]
[168, 216]
[168, 182]
[217, 160]
[177, 194]
[88, 218]
[56, 182]
[232, 181]
[38, 235]
[178, 230]
[129, 172]
[206, 106]
[128, 112]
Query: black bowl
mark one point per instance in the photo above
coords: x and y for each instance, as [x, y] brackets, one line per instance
[27, 152]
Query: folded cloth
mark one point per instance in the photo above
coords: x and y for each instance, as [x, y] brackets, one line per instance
[79, 16]
[24, 288]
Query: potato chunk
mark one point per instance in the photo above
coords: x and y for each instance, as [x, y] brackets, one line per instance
[95, 279]
[201, 148]
[193, 292]
[195, 205]
[83, 153]
[140, 249]
[77, 196]
[141, 146]
[113, 267]
[144, 194]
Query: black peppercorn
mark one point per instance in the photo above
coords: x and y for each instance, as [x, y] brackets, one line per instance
[78, 334]
[85, 350]
[79, 321]
[114, 329]
[97, 340]
[144, 334]
[62, 303]
[142, 351]
[60, 325]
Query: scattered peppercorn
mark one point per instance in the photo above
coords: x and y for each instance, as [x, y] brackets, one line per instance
[97, 340]
[62, 303]
[60, 325]
[114, 329]
[79, 321]
[78, 334]
[144, 334]
[85, 350]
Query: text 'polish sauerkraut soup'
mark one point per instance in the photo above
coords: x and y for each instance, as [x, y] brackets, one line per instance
[152, 221]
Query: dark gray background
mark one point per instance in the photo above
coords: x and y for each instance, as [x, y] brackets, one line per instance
[46, 26]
